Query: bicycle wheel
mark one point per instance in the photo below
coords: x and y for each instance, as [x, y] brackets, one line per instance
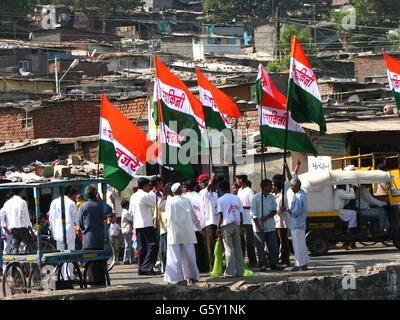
[111, 260]
[14, 281]
[47, 246]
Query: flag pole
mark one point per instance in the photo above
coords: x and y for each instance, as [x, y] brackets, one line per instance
[263, 173]
[161, 120]
[98, 152]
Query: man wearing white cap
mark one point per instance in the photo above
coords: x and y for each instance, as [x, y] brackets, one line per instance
[181, 257]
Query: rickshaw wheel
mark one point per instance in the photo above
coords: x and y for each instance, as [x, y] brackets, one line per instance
[14, 281]
[318, 245]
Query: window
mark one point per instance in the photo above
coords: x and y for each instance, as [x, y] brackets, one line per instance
[231, 41]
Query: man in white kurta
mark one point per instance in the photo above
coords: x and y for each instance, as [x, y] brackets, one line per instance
[341, 196]
[181, 222]
[71, 220]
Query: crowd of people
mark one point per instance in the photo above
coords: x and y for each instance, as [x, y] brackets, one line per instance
[175, 226]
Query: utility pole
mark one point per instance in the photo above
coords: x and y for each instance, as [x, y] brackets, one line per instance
[278, 32]
[315, 26]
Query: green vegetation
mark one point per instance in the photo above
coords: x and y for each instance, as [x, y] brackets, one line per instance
[284, 45]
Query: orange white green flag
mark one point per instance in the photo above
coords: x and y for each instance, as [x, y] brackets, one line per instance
[177, 109]
[217, 104]
[393, 73]
[273, 116]
[303, 98]
[123, 147]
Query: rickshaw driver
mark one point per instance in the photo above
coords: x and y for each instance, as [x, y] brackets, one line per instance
[364, 200]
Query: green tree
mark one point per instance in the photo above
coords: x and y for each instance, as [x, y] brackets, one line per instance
[373, 19]
[17, 6]
[284, 45]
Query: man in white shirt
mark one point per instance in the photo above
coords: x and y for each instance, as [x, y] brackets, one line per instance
[182, 221]
[262, 211]
[229, 219]
[364, 201]
[18, 222]
[71, 220]
[140, 207]
[245, 195]
[200, 246]
[209, 207]
[341, 197]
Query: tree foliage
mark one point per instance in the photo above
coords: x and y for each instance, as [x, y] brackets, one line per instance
[17, 6]
[248, 11]
[372, 20]
[284, 46]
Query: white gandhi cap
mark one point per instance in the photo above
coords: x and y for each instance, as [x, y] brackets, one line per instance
[175, 187]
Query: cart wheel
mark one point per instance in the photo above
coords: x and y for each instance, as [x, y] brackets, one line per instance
[75, 277]
[111, 260]
[368, 244]
[14, 281]
[85, 276]
[35, 278]
[318, 245]
[387, 243]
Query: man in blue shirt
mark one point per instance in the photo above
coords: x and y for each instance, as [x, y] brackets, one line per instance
[298, 214]
[262, 211]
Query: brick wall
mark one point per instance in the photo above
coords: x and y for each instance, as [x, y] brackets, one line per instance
[65, 119]
[367, 66]
[11, 127]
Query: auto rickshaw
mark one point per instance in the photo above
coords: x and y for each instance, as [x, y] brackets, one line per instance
[324, 227]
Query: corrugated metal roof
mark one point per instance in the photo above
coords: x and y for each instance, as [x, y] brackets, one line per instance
[357, 126]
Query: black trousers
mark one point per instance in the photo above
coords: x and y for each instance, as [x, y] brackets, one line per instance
[248, 245]
[201, 253]
[97, 271]
[19, 235]
[147, 244]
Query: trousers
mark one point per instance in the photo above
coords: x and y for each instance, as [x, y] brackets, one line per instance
[128, 251]
[233, 250]
[19, 235]
[248, 244]
[147, 243]
[270, 239]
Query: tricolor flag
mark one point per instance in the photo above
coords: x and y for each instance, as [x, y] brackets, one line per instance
[273, 116]
[304, 100]
[176, 109]
[123, 146]
[217, 104]
[393, 72]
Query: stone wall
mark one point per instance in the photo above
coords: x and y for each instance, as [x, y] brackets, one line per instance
[381, 282]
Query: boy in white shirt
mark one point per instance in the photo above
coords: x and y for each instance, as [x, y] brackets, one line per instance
[114, 234]
[230, 212]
